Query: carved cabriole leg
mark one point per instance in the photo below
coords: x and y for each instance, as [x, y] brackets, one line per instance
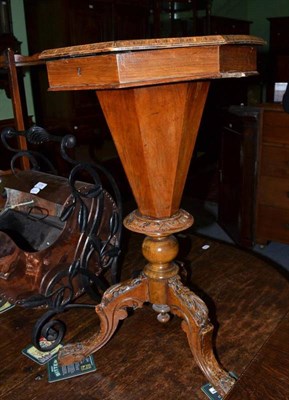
[167, 293]
[112, 309]
[188, 306]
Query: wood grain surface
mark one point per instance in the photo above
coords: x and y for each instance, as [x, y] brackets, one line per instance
[247, 298]
[150, 62]
[149, 44]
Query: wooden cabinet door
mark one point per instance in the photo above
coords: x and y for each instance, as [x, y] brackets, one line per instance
[131, 19]
[272, 219]
[238, 173]
[59, 23]
[90, 21]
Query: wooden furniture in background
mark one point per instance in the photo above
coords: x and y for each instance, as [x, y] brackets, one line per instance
[272, 219]
[224, 25]
[254, 195]
[7, 39]
[11, 79]
[153, 96]
[16, 92]
[278, 54]
[223, 93]
[78, 22]
[18, 103]
[238, 169]
[89, 21]
[171, 10]
[11, 64]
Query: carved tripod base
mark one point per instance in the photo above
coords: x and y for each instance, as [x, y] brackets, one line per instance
[160, 285]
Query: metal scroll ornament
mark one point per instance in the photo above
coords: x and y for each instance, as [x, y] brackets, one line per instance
[88, 245]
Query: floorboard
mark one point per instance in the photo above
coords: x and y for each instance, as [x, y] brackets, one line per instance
[247, 298]
[267, 375]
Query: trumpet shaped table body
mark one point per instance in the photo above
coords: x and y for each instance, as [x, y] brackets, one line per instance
[152, 93]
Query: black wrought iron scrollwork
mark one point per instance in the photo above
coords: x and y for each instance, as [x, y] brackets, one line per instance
[34, 135]
[98, 217]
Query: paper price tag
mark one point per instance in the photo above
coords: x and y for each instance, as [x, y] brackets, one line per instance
[57, 372]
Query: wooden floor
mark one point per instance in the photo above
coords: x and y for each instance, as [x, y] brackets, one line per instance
[266, 377]
[145, 360]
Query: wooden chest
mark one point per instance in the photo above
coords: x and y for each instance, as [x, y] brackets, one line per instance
[254, 202]
[238, 173]
[272, 218]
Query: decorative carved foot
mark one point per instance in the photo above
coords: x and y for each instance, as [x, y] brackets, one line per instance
[188, 306]
[132, 293]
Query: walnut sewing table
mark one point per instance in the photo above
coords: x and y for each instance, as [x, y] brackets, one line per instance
[152, 93]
